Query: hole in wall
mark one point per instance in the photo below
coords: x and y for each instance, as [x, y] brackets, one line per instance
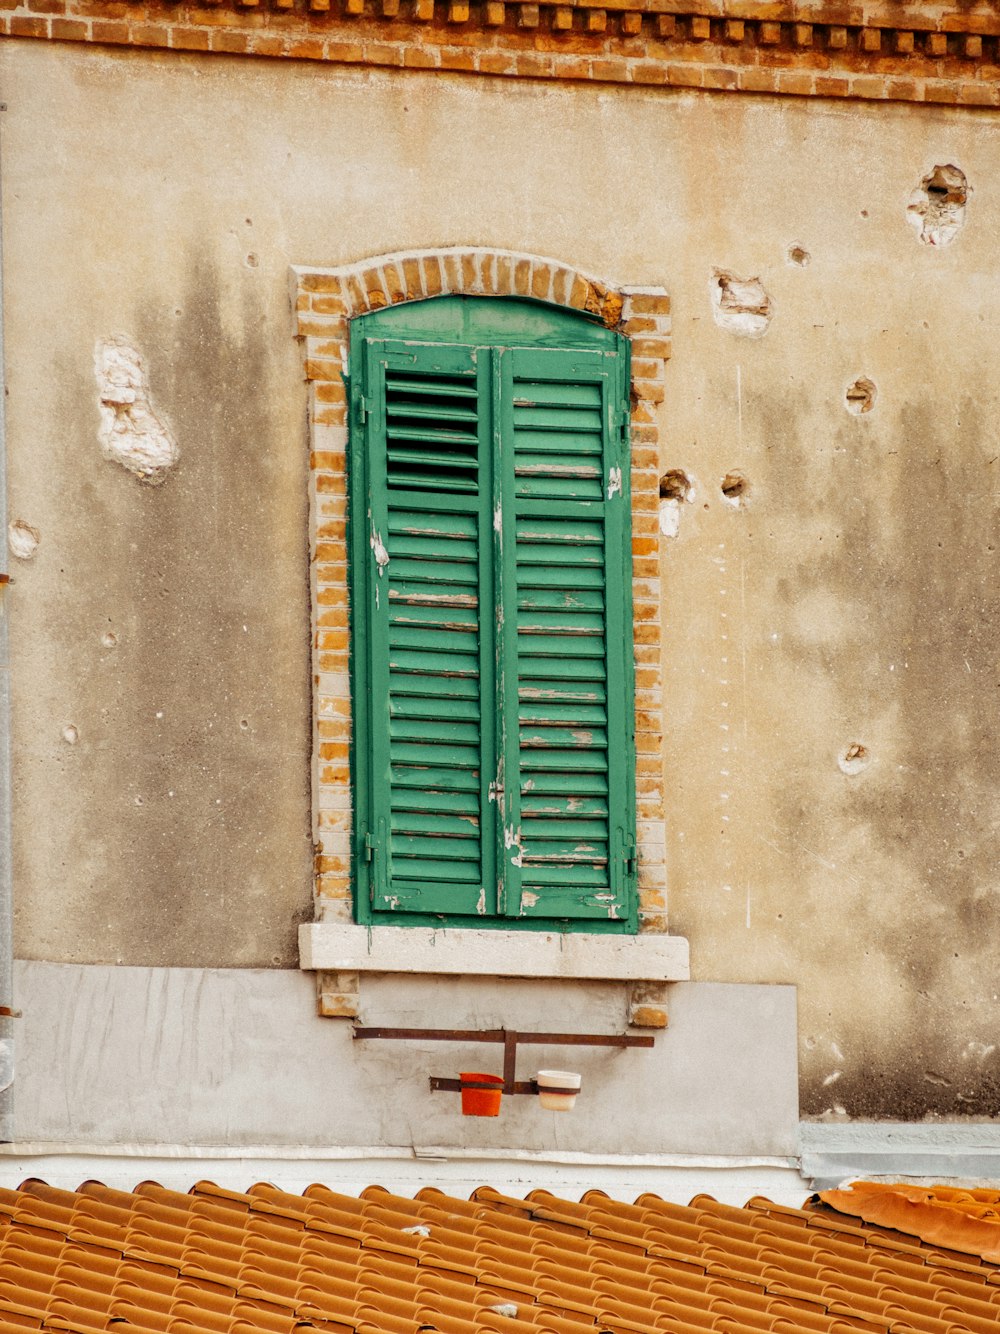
[675, 485]
[70, 735]
[735, 488]
[860, 396]
[798, 255]
[854, 758]
[937, 206]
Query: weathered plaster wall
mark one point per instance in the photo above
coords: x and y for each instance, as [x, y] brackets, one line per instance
[165, 625]
[848, 602]
[236, 1057]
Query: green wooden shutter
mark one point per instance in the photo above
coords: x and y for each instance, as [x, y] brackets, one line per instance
[430, 657]
[568, 721]
[491, 619]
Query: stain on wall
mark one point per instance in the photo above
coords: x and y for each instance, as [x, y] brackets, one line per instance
[831, 576]
[175, 637]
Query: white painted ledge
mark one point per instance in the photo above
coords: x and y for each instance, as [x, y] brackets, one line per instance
[339, 947]
[404, 1171]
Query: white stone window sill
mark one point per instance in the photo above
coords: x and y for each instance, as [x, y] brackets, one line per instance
[339, 947]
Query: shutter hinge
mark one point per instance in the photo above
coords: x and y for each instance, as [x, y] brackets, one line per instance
[369, 848]
[631, 860]
[362, 409]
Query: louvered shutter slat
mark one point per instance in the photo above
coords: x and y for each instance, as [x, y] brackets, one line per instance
[429, 510]
[572, 753]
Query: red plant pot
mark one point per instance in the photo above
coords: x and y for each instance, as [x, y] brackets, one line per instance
[478, 1100]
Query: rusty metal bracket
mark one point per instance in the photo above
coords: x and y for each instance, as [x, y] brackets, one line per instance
[510, 1039]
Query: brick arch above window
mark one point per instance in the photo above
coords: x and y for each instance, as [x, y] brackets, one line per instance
[386, 280]
[326, 301]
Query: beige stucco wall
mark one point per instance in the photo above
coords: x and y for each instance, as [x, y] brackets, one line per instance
[851, 600]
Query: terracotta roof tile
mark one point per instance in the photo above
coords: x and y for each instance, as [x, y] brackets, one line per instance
[11, 1323]
[958, 1220]
[267, 1262]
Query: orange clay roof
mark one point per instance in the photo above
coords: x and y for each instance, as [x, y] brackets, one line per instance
[156, 1262]
[963, 1219]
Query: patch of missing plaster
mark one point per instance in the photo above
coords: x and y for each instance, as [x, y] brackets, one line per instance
[675, 488]
[22, 539]
[937, 206]
[131, 431]
[853, 759]
[980, 1050]
[740, 304]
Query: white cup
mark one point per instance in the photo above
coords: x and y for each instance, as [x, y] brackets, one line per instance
[557, 1089]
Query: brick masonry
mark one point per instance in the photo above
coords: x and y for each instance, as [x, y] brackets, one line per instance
[876, 51]
[326, 300]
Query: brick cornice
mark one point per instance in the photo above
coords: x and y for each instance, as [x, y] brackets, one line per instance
[917, 53]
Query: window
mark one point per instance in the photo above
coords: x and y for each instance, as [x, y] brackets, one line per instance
[491, 627]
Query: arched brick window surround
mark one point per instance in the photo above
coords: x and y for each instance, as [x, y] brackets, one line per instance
[326, 300]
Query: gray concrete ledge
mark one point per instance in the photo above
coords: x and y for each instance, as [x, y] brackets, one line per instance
[340, 947]
[925, 1151]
